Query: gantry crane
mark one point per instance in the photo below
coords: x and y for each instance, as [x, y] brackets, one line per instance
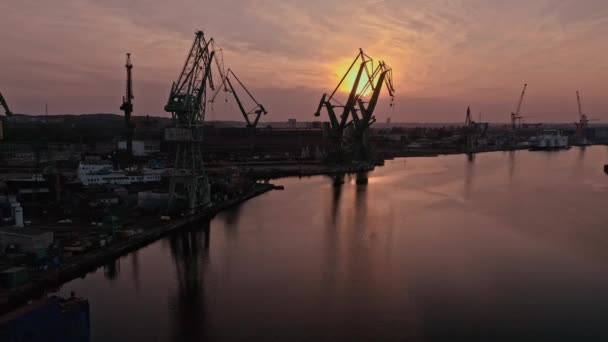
[516, 115]
[189, 184]
[257, 111]
[127, 106]
[338, 125]
[382, 74]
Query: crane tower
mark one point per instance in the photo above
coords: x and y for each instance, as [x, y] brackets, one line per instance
[127, 106]
[189, 184]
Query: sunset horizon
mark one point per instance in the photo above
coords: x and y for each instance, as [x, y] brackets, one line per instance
[445, 55]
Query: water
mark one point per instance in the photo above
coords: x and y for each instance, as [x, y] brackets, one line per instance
[507, 246]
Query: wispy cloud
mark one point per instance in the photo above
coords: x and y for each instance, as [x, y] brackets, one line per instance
[445, 53]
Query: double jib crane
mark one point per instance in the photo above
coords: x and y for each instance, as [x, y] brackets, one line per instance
[189, 184]
[364, 117]
[368, 77]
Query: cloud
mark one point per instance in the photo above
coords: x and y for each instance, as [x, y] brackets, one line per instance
[445, 54]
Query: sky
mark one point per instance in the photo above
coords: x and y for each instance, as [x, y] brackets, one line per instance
[445, 55]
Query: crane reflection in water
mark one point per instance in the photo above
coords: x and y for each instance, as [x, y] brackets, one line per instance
[189, 250]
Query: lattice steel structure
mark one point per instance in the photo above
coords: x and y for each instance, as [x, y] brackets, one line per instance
[189, 184]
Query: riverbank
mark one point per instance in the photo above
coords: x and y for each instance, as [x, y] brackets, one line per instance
[281, 171]
[88, 262]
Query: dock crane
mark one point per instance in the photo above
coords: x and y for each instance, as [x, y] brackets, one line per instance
[257, 111]
[338, 124]
[127, 106]
[516, 115]
[381, 75]
[188, 182]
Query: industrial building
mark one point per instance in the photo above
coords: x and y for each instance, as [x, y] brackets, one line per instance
[141, 148]
[27, 240]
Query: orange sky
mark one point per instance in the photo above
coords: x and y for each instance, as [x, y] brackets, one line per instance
[445, 54]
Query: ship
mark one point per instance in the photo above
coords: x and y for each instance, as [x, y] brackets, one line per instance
[92, 174]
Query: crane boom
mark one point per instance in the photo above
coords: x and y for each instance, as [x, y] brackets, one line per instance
[521, 100]
[258, 110]
[385, 77]
[7, 111]
[380, 75]
[187, 99]
[515, 115]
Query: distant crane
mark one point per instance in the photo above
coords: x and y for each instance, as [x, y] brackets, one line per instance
[582, 124]
[473, 130]
[188, 182]
[127, 106]
[257, 111]
[516, 115]
[468, 121]
[7, 111]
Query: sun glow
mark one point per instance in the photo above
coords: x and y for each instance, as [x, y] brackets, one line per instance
[349, 80]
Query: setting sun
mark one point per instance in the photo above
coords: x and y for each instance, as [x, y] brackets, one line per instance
[349, 80]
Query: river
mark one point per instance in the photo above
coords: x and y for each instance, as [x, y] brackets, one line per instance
[502, 246]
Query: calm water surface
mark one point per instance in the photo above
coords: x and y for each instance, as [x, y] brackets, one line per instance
[507, 246]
